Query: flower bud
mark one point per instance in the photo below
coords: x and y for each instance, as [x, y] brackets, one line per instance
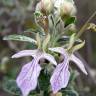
[42, 20]
[45, 6]
[65, 8]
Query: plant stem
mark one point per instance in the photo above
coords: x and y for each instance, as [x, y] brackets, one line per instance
[85, 26]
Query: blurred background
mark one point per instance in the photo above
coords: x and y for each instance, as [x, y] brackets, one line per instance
[17, 16]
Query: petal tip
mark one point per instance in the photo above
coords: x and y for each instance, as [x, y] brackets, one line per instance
[55, 63]
[13, 56]
[85, 72]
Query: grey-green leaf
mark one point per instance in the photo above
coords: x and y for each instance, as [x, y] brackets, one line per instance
[38, 40]
[20, 38]
[66, 38]
[46, 41]
[71, 41]
[11, 87]
[34, 31]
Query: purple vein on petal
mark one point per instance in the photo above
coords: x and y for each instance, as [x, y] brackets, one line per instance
[60, 76]
[27, 79]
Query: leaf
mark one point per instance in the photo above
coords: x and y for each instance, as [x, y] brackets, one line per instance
[66, 38]
[37, 30]
[79, 46]
[38, 40]
[52, 19]
[72, 93]
[73, 76]
[31, 30]
[70, 20]
[69, 91]
[71, 41]
[44, 79]
[19, 38]
[46, 41]
[10, 86]
[38, 13]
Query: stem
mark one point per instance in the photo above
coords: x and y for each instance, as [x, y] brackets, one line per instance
[85, 26]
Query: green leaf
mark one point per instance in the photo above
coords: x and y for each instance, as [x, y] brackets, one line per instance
[44, 79]
[70, 20]
[73, 76]
[19, 38]
[71, 93]
[10, 86]
[38, 13]
[79, 46]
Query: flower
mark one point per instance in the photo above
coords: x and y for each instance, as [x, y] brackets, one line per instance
[28, 77]
[61, 74]
[65, 7]
[45, 6]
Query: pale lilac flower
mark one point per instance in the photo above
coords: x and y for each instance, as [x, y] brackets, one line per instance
[61, 74]
[28, 77]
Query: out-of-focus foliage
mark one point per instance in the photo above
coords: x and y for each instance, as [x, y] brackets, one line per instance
[15, 17]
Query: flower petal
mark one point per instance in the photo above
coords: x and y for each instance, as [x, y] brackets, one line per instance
[59, 50]
[49, 58]
[79, 63]
[25, 53]
[27, 79]
[60, 76]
